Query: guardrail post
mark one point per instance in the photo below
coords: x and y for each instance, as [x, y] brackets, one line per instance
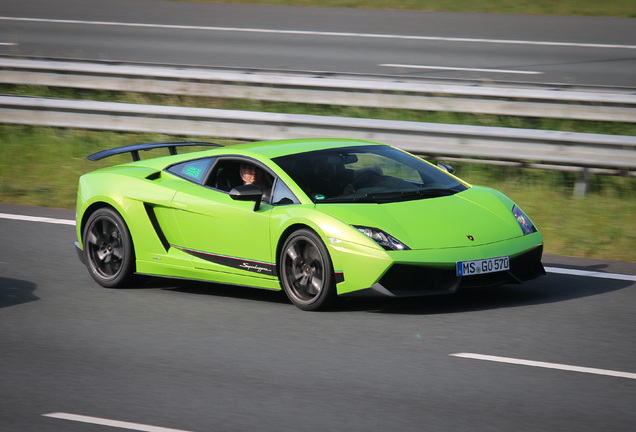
[582, 183]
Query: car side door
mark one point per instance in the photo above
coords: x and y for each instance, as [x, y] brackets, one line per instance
[220, 233]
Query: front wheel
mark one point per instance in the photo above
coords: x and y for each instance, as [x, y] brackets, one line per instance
[306, 271]
[108, 249]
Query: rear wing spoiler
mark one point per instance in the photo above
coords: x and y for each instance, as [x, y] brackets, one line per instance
[136, 148]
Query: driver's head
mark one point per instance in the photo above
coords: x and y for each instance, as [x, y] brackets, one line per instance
[249, 173]
[324, 167]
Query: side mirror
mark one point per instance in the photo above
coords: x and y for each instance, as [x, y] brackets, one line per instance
[446, 167]
[248, 192]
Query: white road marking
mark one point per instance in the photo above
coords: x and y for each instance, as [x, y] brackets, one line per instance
[557, 270]
[587, 273]
[37, 219]
[7, 44]
[546, 365]
[322, 33]
[508, 71]
[111, 423]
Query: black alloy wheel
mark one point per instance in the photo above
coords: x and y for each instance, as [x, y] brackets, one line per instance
[306, 271]
[108, 249]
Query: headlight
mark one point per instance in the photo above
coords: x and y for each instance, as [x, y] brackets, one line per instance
[526, 226]
[388, 242]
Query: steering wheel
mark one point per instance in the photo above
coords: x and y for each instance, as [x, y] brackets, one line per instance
[367, 178]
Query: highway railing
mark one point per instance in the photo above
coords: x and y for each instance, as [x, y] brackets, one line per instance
[548, 102]
[537, 148]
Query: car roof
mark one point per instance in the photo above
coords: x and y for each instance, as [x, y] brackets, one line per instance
[273, 149]
[261, 150]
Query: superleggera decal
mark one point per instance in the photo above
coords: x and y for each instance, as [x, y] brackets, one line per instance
[239, 263]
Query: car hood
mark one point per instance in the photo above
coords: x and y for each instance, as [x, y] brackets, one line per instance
[473, 217]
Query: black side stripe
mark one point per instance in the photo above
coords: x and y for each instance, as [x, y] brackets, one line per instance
[238, 263]
[244, 264]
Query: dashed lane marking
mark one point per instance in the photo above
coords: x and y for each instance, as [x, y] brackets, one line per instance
[37, 219]
[463, 69]
[111, 423]
[546, 365]
[587, 273]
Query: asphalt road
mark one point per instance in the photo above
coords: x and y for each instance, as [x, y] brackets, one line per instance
[203, 357]
[486, 47]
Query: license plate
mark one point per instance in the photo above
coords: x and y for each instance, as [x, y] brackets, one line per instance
[491, 265]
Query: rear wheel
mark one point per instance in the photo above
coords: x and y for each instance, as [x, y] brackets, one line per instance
[108, 249]
[306, 271]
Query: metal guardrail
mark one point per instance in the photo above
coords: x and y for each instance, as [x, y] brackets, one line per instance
[531, 102]
[519, 146]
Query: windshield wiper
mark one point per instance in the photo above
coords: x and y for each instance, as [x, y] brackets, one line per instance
[393, 196]
[420, 193]
[437, 192]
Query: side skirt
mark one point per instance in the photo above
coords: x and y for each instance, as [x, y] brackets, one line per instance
[259, 267]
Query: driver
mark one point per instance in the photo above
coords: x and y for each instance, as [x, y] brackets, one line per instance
[251, 174]
[331, 179]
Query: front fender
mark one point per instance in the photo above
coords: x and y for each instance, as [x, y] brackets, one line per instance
[360, 261]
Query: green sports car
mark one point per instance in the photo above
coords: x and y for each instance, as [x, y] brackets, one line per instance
[317, 218]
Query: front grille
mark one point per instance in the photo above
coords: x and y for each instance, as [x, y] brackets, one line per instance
[404, 280]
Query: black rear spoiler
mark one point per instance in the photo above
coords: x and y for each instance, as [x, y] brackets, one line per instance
[136, 148]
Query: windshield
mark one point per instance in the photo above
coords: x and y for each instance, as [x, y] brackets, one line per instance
[373, 173]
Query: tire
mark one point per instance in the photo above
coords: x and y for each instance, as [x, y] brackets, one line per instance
[108, 249]
[306, 272]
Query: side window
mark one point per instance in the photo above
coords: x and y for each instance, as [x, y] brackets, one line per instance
[193, 170]
[281, 195]
[230, 173]
[225, 175]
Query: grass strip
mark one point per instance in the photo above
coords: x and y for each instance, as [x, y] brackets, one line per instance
[617, 8]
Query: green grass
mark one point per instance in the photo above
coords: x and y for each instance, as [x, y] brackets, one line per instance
[41, 165]
[617, 8]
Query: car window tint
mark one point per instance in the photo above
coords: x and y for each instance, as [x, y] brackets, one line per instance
[390, 167]
[193, 170]
[373, 173]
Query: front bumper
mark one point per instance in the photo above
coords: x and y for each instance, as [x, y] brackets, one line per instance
[421, 273]
[403, 280]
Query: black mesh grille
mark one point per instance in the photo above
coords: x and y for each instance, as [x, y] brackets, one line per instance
[402, 279]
